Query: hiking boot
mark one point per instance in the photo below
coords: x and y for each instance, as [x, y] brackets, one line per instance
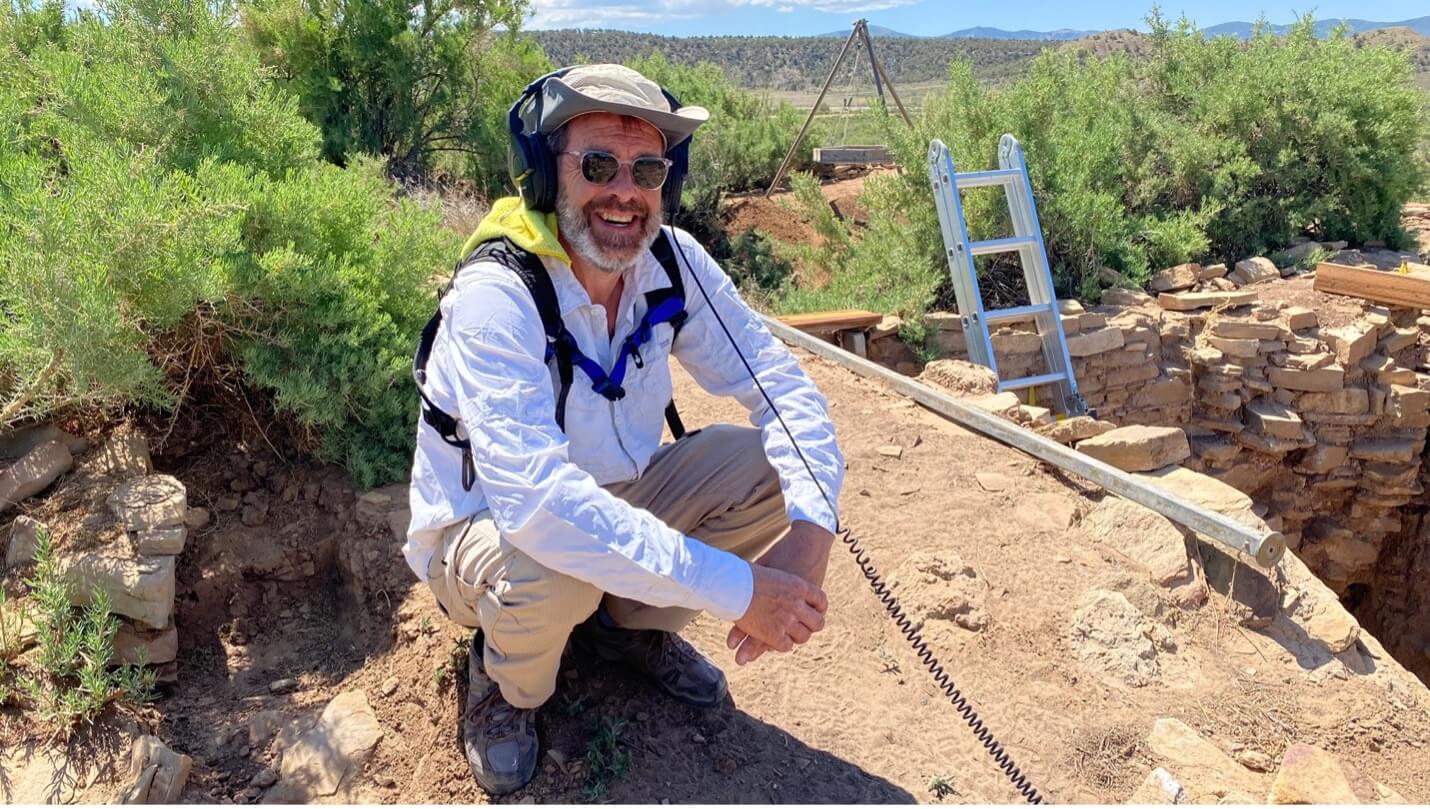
[500, 740]
[676, 667]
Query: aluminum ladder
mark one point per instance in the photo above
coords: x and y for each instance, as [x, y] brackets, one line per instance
[1027, 241]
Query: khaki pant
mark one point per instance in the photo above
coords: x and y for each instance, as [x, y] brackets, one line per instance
[715, 485]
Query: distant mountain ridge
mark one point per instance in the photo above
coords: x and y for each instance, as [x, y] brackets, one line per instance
[1242, 30]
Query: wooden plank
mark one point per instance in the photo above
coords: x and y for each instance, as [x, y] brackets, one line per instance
[852, 155]
[1380, 286]
[840, 320]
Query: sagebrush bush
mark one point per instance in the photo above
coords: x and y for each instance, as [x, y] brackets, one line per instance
[426, 86]
[167, 195]
[1208, 149]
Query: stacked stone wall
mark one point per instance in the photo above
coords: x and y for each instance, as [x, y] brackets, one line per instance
[1324, 426]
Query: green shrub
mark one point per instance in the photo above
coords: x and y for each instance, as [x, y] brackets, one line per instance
[72, 681]
[168, 219]
[1206, 150]
[423, 85]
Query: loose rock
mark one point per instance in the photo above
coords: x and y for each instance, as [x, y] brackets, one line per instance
[1113, 637]
[322, 758]
[157, 774]
[33, 473]
[1139, 448]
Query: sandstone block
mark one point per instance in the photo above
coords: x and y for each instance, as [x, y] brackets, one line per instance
[139, 588]
[1187, 301]
[1310, 775]
[1075, 429]
[1398, 340]
[1203, 768]
[1003, 404]
[322, 758]
[1091, 320]
[1323, 458]
[158, 774]
[1018, 342]
[153, 501]
[1095, 342]
[1299, 317]
[1233, 347]
[1125, 297]
[944, 321]
[33, 473]
[1070, 306]
[1254, 271]
[133, 644]
[1145, 537]
[1159, 788]
[161, 541]
[1302, 362]
[1173, 279]
[1245, 329]
[1139, 448]
[1131, 375]
[1164, 392]
[1346, 401]
[1329, 378]
[1350, 343]
[1387, 370]
[1211, 271]
[1273, 419]
[1387, 450]
[24, 542]
[17, 444]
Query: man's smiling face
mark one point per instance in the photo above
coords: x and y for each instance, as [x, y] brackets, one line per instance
[609, 225]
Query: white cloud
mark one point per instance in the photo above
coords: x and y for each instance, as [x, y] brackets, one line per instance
[596, 14]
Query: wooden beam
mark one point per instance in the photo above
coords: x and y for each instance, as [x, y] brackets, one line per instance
[826, 322]
[1381, 286]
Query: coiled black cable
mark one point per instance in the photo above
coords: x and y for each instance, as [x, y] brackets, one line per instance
[941, 677]
[876, 582]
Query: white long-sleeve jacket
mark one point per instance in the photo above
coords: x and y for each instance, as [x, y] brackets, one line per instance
[543, 486]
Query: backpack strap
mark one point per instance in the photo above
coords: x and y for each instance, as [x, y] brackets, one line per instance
[663, 253]
[533, 275]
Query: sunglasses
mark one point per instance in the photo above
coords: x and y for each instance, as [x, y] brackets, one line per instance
[600, 168]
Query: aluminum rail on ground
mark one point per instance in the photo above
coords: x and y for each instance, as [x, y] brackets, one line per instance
[1267, 548]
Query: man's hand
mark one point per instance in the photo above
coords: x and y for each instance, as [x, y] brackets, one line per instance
[803, 552]
[784, 610]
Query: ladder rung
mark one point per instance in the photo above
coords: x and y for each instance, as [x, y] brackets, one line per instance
[1002, 245]
[982, 179]
[1015, 313]
[1030, 381]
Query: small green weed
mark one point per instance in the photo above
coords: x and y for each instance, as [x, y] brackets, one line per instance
[890, 663]
[606, 754]
[941, 786]
[573, 705]
[73, 682]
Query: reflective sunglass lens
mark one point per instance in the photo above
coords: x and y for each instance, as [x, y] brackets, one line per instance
[648, 172]
[599, 167]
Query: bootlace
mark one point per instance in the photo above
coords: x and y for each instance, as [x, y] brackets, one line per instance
[501, 717]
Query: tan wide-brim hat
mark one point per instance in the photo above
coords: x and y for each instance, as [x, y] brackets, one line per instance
[620, 90]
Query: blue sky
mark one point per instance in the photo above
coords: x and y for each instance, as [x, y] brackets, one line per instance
[924, 17]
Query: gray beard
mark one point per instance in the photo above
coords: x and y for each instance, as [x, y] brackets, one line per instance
[574, 227]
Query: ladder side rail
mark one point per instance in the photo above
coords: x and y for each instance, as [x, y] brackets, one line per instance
[962, 271]
[1038, 276]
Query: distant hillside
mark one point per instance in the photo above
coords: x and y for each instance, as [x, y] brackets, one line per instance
[1123, 41]
[983, 32]
[1419, 25]
[797, 63]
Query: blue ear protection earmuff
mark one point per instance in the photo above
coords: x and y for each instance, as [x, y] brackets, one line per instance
[532, 166]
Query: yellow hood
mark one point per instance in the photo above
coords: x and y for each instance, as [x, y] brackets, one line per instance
[530, 230]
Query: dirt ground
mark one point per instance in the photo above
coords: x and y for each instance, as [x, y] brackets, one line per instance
[305, 590]
[850, 717]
